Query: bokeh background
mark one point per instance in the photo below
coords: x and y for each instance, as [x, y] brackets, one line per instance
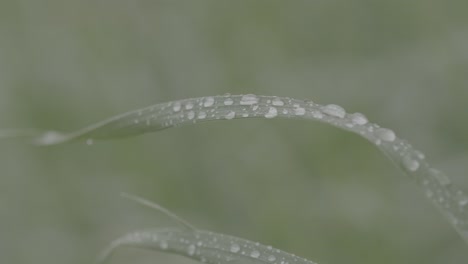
[303, 187]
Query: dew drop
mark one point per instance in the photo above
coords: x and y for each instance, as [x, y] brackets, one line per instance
[410, 164]
[420, 155]
[359, 119]
[440, 176]
[385, 134]
[228, 101]
[176, 107]
[163, 244]
[209, 101]
[249, 99]
[334, 110]
[191, 250]
[202, 115]
[317, 115]
[299, 111]
[463, 202]
[190, 115]
[235, 248]
[277, 102]
[271, 258]
[230, 115]
[255, 254]
[272, 113]
[189, 106]
[89, 141]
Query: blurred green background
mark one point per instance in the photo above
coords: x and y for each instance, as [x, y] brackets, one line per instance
[303, 187]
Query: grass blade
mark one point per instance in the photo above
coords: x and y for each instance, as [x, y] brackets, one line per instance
[450, 200]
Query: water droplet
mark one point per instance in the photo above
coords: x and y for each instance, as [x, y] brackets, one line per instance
[163, 244]
[89, 141]
[176, 107]
[277, 102]
[272, 113]
[249, 99]
[202, 115]
[385, 134]
[299, 111]
[191, 250]
[209, 101]
[420, 155]
[255, 254]
[235, 248]
[189, 106]
[317, 115]
[230, 115]
[334, 110]
[410, 164]
[255, 107]
[190, 115]
[359, 119]
[463, 202]
[271, 258]
[228, 101]
[440, 176]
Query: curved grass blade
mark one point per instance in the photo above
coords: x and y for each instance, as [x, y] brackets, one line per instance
[204, 246]
[450, 200]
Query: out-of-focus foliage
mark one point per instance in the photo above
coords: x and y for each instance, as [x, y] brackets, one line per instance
[66, 64]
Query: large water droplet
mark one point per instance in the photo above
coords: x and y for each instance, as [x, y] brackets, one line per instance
[255, 254]
[334, 110]
[176, 107]
[228, 101]
[189, 105]
[277, 102]
[410, 164]
[440, 176]
[230, 115]
[163, 244]
[190, 115]
[272, 112]
[299, 111]
[359, 119]
[191, 250]
[202, 115]
[385, 134]
[249, 99]
[235, 248]
[209, 101]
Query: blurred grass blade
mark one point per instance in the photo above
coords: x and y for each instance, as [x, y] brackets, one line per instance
[450, 200]
[204, 246]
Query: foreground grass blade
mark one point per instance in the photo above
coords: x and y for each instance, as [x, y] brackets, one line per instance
[204, 246]
[451, 201]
